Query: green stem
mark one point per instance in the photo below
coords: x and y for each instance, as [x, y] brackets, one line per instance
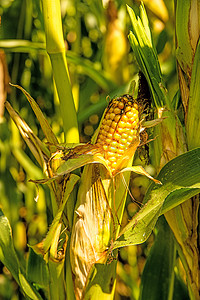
[56, 49]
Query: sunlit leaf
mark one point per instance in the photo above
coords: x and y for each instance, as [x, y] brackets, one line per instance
[28, 289]
[50, 235]
[144, 50]
[180, 180]
[38, 149]
[50, 136]
[101, 282]
[75, 163]
[139, 170]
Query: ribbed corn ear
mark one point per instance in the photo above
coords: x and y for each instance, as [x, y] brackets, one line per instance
[119, 128]
[95, 220]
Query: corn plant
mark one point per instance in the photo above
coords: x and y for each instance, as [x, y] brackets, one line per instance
[77, 259]
[175, 137]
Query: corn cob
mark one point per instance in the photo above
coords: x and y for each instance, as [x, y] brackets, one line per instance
[119, 128]
[93, 227]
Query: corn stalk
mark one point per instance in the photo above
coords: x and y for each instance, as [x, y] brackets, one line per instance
[56, 49]
[184, 221]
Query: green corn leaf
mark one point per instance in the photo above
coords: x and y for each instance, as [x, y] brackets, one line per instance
[193, 118]
[38, 149]
[50, 136]
[180, 289]
[184, 51]
[84, 159]
[31, 169]
[139, 170]
[69, 280]
[69, 188]
[37, 270]
[73, 164]
[9, 258]
[180, 180]
[53, 276]
[28, 288]
[160, 261]
[102, 281]
[144, 50]
[8, 255]
[22, 46]
[57, 283]
[85, 66]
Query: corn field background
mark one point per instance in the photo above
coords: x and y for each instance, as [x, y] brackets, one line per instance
[68, 59]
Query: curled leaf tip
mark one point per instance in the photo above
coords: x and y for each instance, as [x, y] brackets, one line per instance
[158, 181]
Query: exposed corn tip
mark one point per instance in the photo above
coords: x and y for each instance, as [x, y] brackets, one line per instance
[119, 128]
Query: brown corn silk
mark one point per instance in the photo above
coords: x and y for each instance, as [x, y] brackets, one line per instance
[93, 231]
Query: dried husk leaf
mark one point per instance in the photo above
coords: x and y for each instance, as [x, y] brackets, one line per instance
[38, 149]
[91, 230]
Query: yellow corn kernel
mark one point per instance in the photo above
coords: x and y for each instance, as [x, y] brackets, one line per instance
[109, 135]
[117, 111]
[112, 115]
[128, 108]
[113, 149]
[112, 130]
[117, 118]
[114, 143]
[119, 128]
[112, 158]
[105, 147]
[108, 122]
[106, 127]
[129, 138]
[122, 146]
[124, 118]
[128, 125]
[123, 141]
[114, 124]
[117, 136]
[113, 165]
[122, 124]
[124, 135]
[107, 141]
